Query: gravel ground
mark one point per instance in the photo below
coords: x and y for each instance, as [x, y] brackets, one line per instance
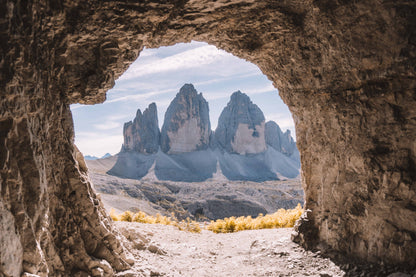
[165, 251]
[161, 250]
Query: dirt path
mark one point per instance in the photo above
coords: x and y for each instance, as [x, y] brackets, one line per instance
[164, 251]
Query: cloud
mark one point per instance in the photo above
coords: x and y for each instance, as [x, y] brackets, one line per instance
[97, 144]
[140, 96]
[107, 125]
[264, 89]
[194, 58]
[117, 117]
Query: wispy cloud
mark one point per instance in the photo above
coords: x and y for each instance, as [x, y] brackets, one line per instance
[157, 76]
[259, 90]
[140, 96]
[185, 60]
[107, 125]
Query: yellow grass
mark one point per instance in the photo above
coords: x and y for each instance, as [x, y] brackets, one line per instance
[188, 225]
[280, 219]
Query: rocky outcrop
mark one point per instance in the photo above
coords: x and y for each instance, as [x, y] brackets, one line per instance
[345, 69]
[282, 142]
[241, 126]
[193, 154]
[142, 134]
[273, 135]
[186, 127]
[288, 145]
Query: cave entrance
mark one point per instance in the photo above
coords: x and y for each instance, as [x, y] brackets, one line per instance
[226, 152]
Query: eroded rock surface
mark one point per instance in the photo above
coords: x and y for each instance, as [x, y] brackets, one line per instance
[345, 69]
[142, 135]
[186, 127]
[191, 152]
[241, 126]
[282, 142]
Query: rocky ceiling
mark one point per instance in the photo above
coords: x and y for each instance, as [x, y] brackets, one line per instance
[346, 69]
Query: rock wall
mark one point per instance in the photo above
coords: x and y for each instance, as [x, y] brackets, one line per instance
[282, 142]
[345, 69]
[142, 134]
[241, 126]
[186, 127]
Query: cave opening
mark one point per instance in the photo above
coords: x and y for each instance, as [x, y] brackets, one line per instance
[345, 69]
[233, 153]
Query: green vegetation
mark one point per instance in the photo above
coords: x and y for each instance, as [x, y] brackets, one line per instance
[280, 219]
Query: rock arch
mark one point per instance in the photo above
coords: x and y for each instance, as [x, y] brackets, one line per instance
[345, 69]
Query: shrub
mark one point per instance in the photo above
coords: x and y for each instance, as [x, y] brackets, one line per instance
[142, 217]
[113, 215]
[281, 218]
[126, 216]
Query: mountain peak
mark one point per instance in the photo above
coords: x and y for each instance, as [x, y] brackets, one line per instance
[282, 142]
[142, 134]
[241, 126]
[188, 89]
[186, 127]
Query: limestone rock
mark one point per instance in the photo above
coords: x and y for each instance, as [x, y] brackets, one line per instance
[273, 135]
[282, 142]
[142, 134]
[288, 145]
[344, 68]
[241, 126]
[186, 127]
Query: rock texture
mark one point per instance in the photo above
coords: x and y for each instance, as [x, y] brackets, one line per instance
[142, 135]
[282, 142]
[190, 151]
[186, 127]
[241, 126]
[345, 69]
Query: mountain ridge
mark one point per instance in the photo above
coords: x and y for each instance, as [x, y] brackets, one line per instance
[243, 146]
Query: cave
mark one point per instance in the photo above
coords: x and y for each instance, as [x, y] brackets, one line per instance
[346, 69]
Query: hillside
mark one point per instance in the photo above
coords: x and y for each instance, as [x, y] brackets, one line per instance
[212, 199]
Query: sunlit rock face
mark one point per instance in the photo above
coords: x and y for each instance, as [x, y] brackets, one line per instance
[345, 69]
[142, 134]
[186, 127]
[188, 160]
[241, 126]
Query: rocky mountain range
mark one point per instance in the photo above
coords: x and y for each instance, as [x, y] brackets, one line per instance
[243, 147]
[89, 157]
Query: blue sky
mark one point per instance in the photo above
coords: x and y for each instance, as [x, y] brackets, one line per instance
[157, 75]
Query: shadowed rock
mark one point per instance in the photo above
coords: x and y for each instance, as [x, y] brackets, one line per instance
[142, 134]
[282, 142]
[241, 126]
